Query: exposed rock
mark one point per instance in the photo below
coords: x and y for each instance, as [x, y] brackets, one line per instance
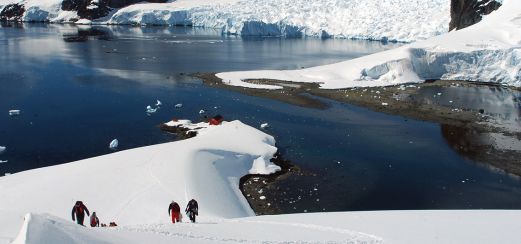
[88, 9]
[464, 13]
[12, 12]
[124, 3]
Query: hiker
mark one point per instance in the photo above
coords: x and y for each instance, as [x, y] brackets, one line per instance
[94, 221]
[192, 210]
[176, 212]
[79, 210]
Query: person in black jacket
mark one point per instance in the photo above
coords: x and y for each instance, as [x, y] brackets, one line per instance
[79, 210]
[192, 209]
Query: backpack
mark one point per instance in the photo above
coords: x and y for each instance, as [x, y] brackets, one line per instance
[93, 221]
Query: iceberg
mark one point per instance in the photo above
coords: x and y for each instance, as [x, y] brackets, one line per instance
[114, 144]
[150, 109]
[14, 112]
[264, 125]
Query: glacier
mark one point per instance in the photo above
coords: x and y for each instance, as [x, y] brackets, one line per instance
[385, 20]
[489, 51]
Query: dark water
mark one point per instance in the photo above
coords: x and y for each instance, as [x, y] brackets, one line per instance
[80, 88]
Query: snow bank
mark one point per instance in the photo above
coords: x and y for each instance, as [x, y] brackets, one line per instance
[49, 229]
[488, 51]
[396, 20]
[136, 186]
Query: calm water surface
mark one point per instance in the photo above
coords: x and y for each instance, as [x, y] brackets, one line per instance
[79, 88]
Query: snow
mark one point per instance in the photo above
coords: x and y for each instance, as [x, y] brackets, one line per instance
[262, 165]
[370, 19]
[134, 187]
[489, 51]
[373, 19]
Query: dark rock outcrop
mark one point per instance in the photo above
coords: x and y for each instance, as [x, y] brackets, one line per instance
[124, 3]
[464, 13]
[88, 10]
[12, 12]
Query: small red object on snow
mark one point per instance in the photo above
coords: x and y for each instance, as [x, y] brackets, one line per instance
[216, 120]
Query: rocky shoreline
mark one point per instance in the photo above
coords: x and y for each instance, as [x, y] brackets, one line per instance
[463, 128]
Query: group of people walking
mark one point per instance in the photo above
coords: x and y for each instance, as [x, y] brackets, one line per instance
[79, 210]
[192, 210]
[78, 214]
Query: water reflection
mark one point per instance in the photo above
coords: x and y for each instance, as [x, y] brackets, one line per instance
[84, 34]
[500, 105]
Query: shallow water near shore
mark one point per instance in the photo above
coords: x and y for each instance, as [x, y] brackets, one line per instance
[80, 87]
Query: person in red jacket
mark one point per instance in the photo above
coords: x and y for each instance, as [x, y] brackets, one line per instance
[79, 210]
[94, 221]
[176, 212]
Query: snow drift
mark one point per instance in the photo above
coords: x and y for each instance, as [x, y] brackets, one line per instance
[487, 52]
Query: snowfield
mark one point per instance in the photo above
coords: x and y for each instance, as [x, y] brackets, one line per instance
[134, 187]
[488, 51]
[390, 20]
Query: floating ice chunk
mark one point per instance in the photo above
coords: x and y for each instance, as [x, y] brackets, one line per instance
[385, 104]
[264, 125]
[179, 105]
[262, 197]
[2, 149]
[158, 103]
[439, 93]
[150, 109]
[3, 161]
[201, 111]
[14, 112]
[114, 144]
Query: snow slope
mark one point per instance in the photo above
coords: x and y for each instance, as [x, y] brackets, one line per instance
[134, 187]
[390, 227]
[393, 20]
[488, 51]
